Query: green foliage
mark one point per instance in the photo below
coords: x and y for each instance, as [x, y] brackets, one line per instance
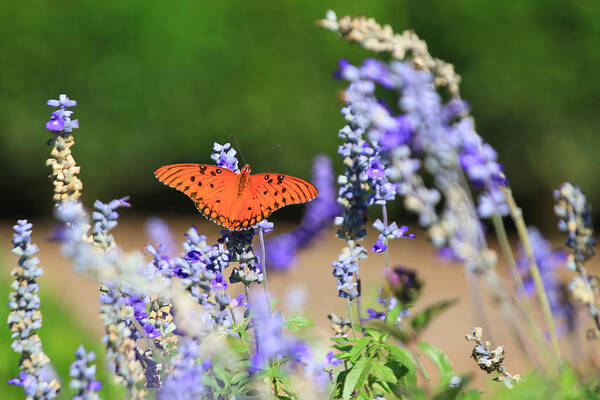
[373, 367]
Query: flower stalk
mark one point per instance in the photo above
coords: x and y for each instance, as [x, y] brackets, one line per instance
[517, 217]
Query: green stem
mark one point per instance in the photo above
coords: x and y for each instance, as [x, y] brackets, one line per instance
[517, 216]
[508, 254]
[263, 261]
[386, 270]
[351, 318]
[523, 305]
[359, 288]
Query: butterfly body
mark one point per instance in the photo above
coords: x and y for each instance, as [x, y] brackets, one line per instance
[235, 201]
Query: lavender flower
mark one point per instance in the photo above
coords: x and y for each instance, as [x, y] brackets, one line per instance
[61, 119]
[479, 160]
[225, 157]
[66, 184]
[160, 235]
[120, 340]
[161, 262]
[83, 376]
[344, 270]
[25, 318]
[185, 380]
[388, 233]
[35, 388]
[575, 218]
[391, 302]
[239, 245]
[281, 251]
[265, 225]
[105, 219]
[199, 269]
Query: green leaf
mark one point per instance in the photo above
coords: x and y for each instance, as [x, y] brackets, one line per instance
[404, 358]
[422, 319]
[342, 347]
[384, 372]
[358, 348]
[297, 322]
[373, 332]
[221, 374]
[440, 360]
[356, 377]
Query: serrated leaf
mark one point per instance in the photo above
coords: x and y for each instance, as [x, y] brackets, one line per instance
[297, 322]
[358, 348]
[422, 319]
[356, 377]
[440, 360]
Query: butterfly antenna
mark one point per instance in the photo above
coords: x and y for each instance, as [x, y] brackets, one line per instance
[239, 148]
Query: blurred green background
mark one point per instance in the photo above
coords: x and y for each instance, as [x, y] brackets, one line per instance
[159, 82]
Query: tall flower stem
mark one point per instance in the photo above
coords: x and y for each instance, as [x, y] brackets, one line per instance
[263, 261]
[522, 305]
[359, 302]
[358, 287]
[386, 269]
[508, 254]
[351, 316]
[517, 216]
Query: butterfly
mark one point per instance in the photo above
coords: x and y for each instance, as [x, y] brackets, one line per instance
[235, 201]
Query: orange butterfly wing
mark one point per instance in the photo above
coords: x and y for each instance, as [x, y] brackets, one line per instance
[211, 188]
[268, 192]
[224, 197]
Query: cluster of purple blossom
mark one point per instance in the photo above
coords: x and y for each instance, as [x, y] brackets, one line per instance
[61, 119]
[422, 126]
